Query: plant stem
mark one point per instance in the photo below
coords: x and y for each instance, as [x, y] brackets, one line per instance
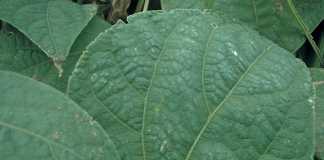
[305, 29]
[140, 5]
[146, 5]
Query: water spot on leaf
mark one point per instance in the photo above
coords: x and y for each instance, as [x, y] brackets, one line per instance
[94, 133]
[77, 116]
[59, 107]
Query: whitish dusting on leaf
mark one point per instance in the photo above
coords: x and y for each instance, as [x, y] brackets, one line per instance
[56, 135]
[316, 83]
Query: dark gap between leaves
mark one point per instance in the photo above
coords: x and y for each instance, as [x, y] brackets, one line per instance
[306, 52]
[132, 7]
[316, 158]
[155, 5]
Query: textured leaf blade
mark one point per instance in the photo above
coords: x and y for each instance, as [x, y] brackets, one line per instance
[199, 86]
[48, 127]
[53, 25]
[272, 18]
[318, 81]
[18, 54]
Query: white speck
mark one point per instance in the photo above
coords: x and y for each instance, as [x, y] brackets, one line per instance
[77, 115]
[204, 11]
[104, 74]
[310, 100]
[102, 81]
[92, 121]
[235, 53]
[214, 25]
[94, 133]
[56, 135]
[101, 150]
[94, 77]
[164, 143]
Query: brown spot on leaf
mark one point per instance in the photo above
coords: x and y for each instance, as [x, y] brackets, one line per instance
[316, 83]
[56, 135]
[77, 116]
[58, 63]
[35, 77]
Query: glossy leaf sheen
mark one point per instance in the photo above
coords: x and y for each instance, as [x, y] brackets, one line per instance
[187, 84]
[40, 123]
[19, 55]
[272, 18]
[51, 24]
[318, 81]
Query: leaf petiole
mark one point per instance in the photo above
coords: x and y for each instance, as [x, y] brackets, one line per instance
[305, 29]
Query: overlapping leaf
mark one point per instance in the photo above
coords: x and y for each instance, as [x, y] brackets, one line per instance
[38, 122]
[272, 18]
[190, 85]
[51, 24]
[318, 81]
[19, 55]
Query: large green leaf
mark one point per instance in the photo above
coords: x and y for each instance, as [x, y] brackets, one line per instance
[187, 84]
[272, 18]
[51, 24]
[318, 81]
[40, 123]
[19, 55]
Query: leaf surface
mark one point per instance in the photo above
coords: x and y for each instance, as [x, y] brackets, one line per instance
[18, 54]
[38, 122]
[188, 85]
[272, 18]
[53, 25]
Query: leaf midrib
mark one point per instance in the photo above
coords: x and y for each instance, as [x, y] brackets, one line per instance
[151, 83]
